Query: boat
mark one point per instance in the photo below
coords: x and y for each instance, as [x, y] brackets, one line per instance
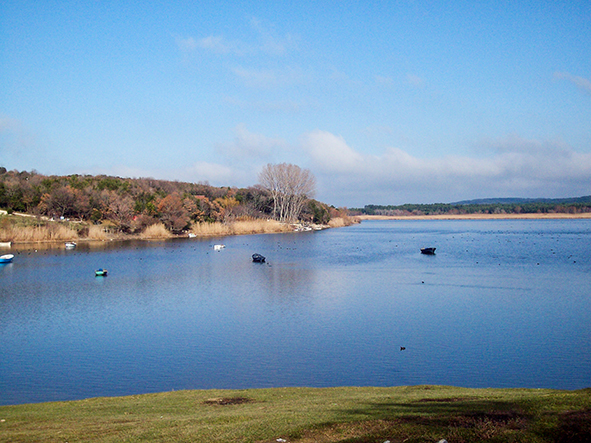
[218, 247]
[428, 251]
[70, 245]
[7, 258]
[191, 235]
[5, 244]
[100, 272]
[258, 258]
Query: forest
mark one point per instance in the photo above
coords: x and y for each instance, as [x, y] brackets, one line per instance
[507, 206]
[130, 205]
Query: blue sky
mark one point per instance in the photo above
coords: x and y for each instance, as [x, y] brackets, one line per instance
[386, 102]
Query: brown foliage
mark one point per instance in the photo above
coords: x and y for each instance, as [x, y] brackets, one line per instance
[172, 213]
[134, 204]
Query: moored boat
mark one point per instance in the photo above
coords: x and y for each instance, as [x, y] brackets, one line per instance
[70, 245]
[258, 258]
[100, 272]
[7, 258]
[428, 251]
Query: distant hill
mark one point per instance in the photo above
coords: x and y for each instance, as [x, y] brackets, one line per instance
[510, 201]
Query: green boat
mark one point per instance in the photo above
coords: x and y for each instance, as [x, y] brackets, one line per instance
[100, 273]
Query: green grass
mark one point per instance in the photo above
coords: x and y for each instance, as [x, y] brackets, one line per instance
[346, 415]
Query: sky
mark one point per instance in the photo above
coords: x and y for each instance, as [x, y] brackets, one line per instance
[385, 102]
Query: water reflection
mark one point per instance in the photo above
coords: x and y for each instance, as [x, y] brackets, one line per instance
[328, 308]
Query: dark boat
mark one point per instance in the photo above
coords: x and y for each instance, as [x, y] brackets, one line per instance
[428, 251]
[258, 258]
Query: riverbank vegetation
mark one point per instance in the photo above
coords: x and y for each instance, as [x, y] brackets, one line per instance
[581, 205]
[305, 415]
[35, 207]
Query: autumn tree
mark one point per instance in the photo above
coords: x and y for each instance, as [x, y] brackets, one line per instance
[60, 202]
[172, 212]
[290, 188]
[120, 210]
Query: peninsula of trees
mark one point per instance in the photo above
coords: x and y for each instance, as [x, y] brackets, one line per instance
[131, 205]
[578, 205]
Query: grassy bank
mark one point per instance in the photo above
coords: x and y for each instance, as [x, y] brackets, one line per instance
[304, 415]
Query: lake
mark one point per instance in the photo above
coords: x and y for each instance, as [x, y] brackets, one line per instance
[502, 303]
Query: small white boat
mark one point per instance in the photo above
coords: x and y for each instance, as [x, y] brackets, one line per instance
[5, 244]
[191, 235]
[7, 258]
[218, 247]
[70, 245]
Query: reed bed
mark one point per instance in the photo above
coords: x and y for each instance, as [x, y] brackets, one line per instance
[240, 227]
[341, 222]
[30, 230]
[96, 232]
[51, 232]
[156, 231]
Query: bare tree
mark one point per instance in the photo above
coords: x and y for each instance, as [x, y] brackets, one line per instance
[172, 212]
[290, 187]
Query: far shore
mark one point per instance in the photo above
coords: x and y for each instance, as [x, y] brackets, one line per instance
[551, 216]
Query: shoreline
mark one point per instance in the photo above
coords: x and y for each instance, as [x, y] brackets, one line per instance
[550, 216]
[198, 232]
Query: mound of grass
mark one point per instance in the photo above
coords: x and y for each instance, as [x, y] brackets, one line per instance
[305, 415]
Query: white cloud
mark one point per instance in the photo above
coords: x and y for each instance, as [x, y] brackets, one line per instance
[269, 42]
[13, 137]
[378, 130]
[268, 106]
[186, 44]
[384, 80]
[415, 80]
[19, 146]
[251, 147]
[214, 44]
[330, 153]
[256, 77]
[265, 41]
[215, 173]
[517, 167]
[506, 167]
[580, 82]
[237, 162]
[269, 78]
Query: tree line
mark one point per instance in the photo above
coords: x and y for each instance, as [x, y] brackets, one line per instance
[574, 206]
[132, 204]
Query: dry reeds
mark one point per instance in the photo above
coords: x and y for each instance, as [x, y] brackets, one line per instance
[241, 227]
[340, 222]
[156, 231]
[96, 233]
[50, 232]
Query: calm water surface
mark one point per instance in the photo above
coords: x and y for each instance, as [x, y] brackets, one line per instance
[501, 304]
